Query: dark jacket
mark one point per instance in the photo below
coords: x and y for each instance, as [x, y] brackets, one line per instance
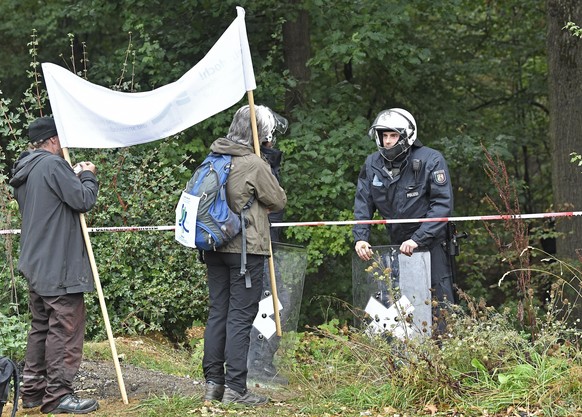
[422, 193]
[50, 197]
[250, 175]
[274, 157]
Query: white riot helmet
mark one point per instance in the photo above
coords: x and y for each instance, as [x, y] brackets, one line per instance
[269, 122]
[394, 120]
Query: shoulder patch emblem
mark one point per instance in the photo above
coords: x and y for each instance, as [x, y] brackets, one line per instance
[439, 177]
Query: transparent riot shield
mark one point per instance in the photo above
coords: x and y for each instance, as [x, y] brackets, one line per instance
[392, 294]
[267, 350]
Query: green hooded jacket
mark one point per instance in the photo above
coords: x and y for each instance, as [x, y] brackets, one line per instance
[250, 175]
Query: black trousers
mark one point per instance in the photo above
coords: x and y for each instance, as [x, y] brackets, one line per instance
[54, 349]
[441, 280]
[232, 310]
[441, 283]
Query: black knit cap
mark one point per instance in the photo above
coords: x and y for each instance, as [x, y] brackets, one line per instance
[42, 129]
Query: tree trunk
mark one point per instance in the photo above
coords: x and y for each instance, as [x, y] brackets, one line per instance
[565, 102]
[296, 47]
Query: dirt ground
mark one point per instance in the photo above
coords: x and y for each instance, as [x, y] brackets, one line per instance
[98, 380]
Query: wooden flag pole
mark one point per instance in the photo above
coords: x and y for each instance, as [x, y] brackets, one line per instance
[273, 280]
[101, 298]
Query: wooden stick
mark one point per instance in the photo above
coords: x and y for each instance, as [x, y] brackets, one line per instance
[101, 297]
[257, 147]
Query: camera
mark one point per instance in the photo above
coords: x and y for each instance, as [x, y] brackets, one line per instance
[77, 169]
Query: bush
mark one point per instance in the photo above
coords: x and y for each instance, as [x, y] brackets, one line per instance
[13, 335]
[150, 282]
[482, 363]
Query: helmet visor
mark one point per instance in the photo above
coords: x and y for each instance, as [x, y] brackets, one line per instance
[281, 124]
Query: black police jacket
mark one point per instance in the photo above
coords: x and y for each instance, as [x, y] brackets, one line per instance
[421, 190]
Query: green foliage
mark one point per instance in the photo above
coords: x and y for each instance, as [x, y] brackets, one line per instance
[473, 74]
[574, 29]
[166, 406]
[151, 282]
[312, 153]
[13, 291]
[481, 363]
[153, 352]
[484, 360]
[576, 158]
[13, 336]
[507, 364]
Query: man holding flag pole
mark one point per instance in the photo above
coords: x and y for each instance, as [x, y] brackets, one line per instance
[91, 116]
[56, 265]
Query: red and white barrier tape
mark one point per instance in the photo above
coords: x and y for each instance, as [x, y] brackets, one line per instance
[343, 223]
[434, 219]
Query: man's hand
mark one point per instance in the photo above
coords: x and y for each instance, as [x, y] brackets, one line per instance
[88, 166]
[408, 247]
[364, 250]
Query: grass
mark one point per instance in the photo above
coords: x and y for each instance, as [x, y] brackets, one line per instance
[481, 367]
[485, 364]
[152, 352]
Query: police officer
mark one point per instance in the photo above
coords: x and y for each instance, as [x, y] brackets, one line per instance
[406, 180]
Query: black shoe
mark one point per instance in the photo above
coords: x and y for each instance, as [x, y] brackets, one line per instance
[31, 404]
[214, 392]
[71, 404]
[246, 398]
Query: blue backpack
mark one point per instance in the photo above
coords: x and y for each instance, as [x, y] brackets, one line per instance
[216, 223]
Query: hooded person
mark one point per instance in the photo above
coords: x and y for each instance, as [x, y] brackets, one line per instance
[262, 349]
[232, 305]
[54, 260]
[404, 179]
[274, 157]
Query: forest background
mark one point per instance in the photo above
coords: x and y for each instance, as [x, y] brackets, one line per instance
[487, 81]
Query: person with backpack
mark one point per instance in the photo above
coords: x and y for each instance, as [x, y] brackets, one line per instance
[55, 262]
[234, 301]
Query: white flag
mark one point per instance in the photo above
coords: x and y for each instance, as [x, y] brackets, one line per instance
[91, 116]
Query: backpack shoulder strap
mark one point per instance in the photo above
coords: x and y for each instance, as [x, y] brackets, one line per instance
[243, 253]
[16, 382]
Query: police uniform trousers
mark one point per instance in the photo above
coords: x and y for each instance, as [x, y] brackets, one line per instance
[54, 349]
[232, 310]
[441, 282]
[441, 274]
